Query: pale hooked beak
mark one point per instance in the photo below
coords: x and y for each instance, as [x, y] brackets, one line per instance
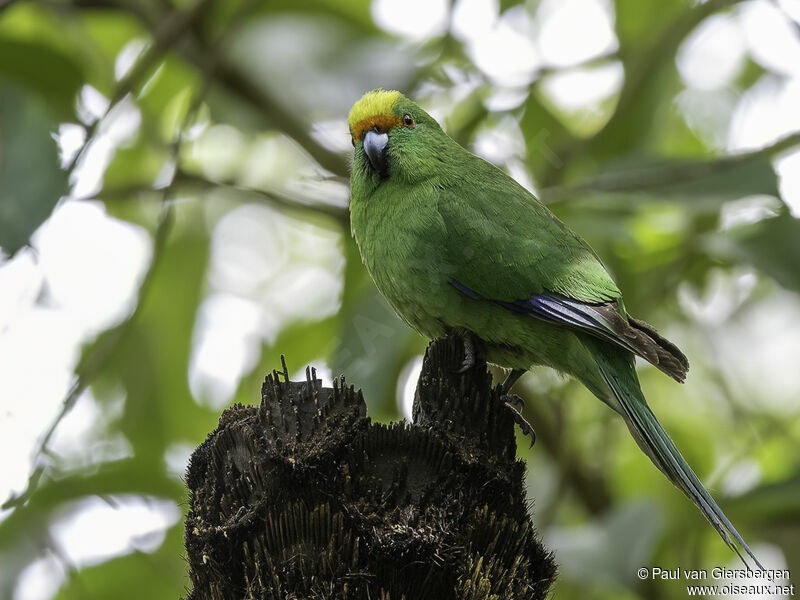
[375, 149]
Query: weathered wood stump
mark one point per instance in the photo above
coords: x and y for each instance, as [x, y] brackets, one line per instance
[304, 497]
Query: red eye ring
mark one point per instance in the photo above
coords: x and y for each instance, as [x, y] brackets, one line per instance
[408, 121]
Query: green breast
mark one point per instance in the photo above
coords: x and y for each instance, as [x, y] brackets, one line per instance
[401, 238]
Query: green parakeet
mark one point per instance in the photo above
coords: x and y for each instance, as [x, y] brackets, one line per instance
[457, 246]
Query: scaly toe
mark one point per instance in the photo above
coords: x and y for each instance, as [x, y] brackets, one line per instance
[522, 422]
[469, 355]
[513, 399]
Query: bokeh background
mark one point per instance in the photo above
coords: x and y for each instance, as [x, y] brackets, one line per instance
[173, 217]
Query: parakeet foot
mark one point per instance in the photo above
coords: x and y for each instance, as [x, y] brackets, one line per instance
[518, 418]
[510, 380]
[513, 399]
[469, 354]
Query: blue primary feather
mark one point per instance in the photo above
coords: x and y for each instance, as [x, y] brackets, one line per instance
[560, 310]
[616, 368]
[603, 320]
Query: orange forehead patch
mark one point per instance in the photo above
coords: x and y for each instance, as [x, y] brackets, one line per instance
[383, 122]
[375, 108]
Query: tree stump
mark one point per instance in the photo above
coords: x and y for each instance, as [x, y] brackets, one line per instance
[304, 497]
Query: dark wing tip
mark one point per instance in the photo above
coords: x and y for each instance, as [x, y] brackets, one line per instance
[602, 320]
[670, 359]
[638, 337]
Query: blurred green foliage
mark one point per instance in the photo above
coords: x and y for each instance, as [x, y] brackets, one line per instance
[645, 189]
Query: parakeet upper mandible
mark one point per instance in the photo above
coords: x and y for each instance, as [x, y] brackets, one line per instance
[457, 246]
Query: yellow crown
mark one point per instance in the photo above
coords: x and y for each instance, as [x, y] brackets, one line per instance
[374, 108]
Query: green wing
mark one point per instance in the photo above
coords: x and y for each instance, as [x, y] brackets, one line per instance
[505, 245]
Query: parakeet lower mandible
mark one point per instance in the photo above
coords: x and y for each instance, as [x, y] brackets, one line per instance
[457, 246]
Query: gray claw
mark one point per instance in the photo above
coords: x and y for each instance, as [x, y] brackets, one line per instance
[469, 355]
[513, 399]
[510, 380]
[521, 421]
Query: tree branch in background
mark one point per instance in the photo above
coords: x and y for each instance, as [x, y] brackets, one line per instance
[4, 4]
[277, 200]
[231, 78]
[635, 180]
[92, 363]
[591, 63]
[642, 179]
[164, 37]
[279, 118]
[102, 350]
[242, 87]
[663, 49]
[640, 68]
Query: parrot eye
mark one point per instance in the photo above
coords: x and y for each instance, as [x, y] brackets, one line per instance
[408, 121]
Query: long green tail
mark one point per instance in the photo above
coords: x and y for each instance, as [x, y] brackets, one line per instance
[616, 366]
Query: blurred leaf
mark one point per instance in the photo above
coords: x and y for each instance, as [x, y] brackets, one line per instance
[134, 576]
[641, 107]
[224, 16]
[21, 530]
[785, 536]
[69, 35]
[135, 165]
[609, 552]
[770, 503]
[124, 476]
[771, 245]
[152, 361]
[166, 96]
[356, 12]
[723, 179]
[51, 74]
[106, 33]
[639, 21]
[31, 180]
[111, 31]
[338, 62]
[773, 510]
[649, 244]
[466, 117]
[649, 34]
[545, 138]
[226, 106]
[750, 73]
[375, 344]
[506, 4]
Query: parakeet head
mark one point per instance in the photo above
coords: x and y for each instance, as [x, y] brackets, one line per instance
[392, 136]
